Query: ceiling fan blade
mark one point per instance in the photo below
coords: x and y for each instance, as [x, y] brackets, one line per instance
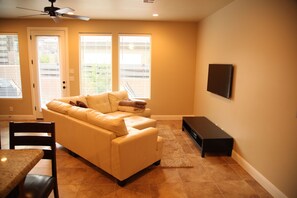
[29, 9]
[32, 15]
[76, 17]
[56, 19]
[64, 10]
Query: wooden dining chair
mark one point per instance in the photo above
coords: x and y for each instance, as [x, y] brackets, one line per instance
[34, 134]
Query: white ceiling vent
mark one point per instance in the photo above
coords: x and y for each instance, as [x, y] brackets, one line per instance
[148, 1]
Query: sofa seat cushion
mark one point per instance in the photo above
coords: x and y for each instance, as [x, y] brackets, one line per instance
[59, 106]
[99, 102]
[120, 114]
[79, 112]
[116, 125]
[139, 122]
[115, 97]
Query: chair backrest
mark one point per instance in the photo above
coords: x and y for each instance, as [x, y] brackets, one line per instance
[35, 134]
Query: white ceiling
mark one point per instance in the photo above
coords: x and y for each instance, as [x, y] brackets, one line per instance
[168, 10]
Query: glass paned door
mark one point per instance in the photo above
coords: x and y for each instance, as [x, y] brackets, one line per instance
[48, 54]
[49, 72]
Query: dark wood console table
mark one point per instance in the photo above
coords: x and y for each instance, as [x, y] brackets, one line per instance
[209, 137]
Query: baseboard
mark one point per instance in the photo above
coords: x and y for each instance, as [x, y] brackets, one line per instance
[168, 117]
[17, 117]
[272, 189]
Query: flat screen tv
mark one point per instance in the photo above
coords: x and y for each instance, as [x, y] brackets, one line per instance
[220, 79]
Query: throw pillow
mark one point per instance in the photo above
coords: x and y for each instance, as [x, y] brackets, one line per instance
[72, 103]
[73, 99]
[81, 104]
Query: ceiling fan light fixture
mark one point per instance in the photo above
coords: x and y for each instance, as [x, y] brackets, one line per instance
[55, 13]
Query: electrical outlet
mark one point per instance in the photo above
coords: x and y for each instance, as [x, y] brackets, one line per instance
[10, 108]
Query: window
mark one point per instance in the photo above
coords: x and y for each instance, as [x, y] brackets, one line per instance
[95, 64]
[135, 65]
[10, 77]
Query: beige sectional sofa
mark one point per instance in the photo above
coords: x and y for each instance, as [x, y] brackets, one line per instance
[120, 142]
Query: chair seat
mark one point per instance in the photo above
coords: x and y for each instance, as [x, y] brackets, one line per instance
[38, 186]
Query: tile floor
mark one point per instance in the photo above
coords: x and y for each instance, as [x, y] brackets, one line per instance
[211, 177]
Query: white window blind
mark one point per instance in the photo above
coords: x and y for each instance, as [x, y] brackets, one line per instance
[10, 78]
[135, 65]
[95, 64]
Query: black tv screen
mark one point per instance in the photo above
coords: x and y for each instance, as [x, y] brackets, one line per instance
[220, 79]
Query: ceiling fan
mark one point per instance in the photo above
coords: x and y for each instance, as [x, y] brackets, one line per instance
[55, 13]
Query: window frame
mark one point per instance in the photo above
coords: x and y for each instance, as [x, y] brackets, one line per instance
[150, 65]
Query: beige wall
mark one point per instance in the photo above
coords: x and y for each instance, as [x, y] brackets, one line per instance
[173, 60]
[260, 38]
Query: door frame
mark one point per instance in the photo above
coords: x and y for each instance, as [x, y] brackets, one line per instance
[31, 53]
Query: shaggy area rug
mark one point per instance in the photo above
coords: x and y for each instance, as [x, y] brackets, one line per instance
[173, 155]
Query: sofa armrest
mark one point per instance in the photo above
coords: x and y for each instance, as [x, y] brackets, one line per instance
[134, 152]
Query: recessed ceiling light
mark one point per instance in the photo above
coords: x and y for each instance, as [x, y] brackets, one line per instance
[155, 15]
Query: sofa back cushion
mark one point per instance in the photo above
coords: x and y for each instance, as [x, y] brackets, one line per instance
[74, 100]
[99, 102]
[59, 106]
[116, 125]
[115, 97]
[79, 113]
